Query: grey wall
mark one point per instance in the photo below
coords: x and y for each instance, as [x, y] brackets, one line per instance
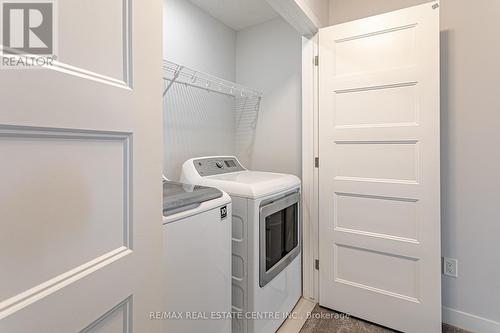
[268, 57]
[196, 123]
[470, 117]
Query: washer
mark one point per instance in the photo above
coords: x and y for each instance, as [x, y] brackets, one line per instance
[266, 239]
[197, 258]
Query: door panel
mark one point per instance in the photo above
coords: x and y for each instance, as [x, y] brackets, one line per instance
[351, 56]
[81, 240]
[112, 22]
[96, 197]
[388, 216]
[379, 173]
[351, 108]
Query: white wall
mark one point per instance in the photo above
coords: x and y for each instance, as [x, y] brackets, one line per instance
[195, 39]
[268, 57]
[196, 123]
[470, 120]
[348, 10]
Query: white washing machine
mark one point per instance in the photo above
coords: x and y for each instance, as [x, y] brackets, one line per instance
[266, 239]
[197, 259]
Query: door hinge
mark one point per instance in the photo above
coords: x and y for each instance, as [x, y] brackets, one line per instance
[316, 264]
[316, 162]
[316, 60]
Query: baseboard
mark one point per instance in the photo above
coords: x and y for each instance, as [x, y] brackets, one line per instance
[301, 310]
[469, 321]
[451, 316]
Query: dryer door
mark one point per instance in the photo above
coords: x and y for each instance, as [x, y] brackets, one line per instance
[279, 236]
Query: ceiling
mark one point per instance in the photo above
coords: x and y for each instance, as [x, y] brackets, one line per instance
[238, 14]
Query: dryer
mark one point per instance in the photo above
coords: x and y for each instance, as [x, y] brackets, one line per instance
[266, 239]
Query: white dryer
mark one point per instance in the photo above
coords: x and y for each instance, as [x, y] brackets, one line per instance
[266, 239]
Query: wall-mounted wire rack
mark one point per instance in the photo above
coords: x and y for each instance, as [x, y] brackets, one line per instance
[177, 74]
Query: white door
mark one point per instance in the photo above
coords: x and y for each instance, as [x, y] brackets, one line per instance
[379, 169]
[80, 170]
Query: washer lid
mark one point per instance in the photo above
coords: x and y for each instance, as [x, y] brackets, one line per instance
[252, 184]
[178, 197]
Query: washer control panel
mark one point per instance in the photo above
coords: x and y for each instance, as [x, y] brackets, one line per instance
[217, 165]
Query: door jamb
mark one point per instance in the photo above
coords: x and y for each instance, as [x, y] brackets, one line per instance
[310, 173]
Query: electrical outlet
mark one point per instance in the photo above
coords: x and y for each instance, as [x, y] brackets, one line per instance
[450, 267]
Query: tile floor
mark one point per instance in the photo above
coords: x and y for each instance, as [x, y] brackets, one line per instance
[337, 323]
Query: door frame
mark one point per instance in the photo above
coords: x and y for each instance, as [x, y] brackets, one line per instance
[308, 26]
[310, 173]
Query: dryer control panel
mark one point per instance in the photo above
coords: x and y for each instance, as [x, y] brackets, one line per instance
[217, 165]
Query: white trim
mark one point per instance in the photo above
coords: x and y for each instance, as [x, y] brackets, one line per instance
[469, 321]
[310, 14]
[300, 314]
[310, 249]
[37, 293]
[125, 307]
[294, 14]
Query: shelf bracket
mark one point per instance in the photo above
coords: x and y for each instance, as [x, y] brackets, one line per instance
[176, 75]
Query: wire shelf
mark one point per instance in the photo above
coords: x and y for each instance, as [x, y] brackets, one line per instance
[177, 74]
